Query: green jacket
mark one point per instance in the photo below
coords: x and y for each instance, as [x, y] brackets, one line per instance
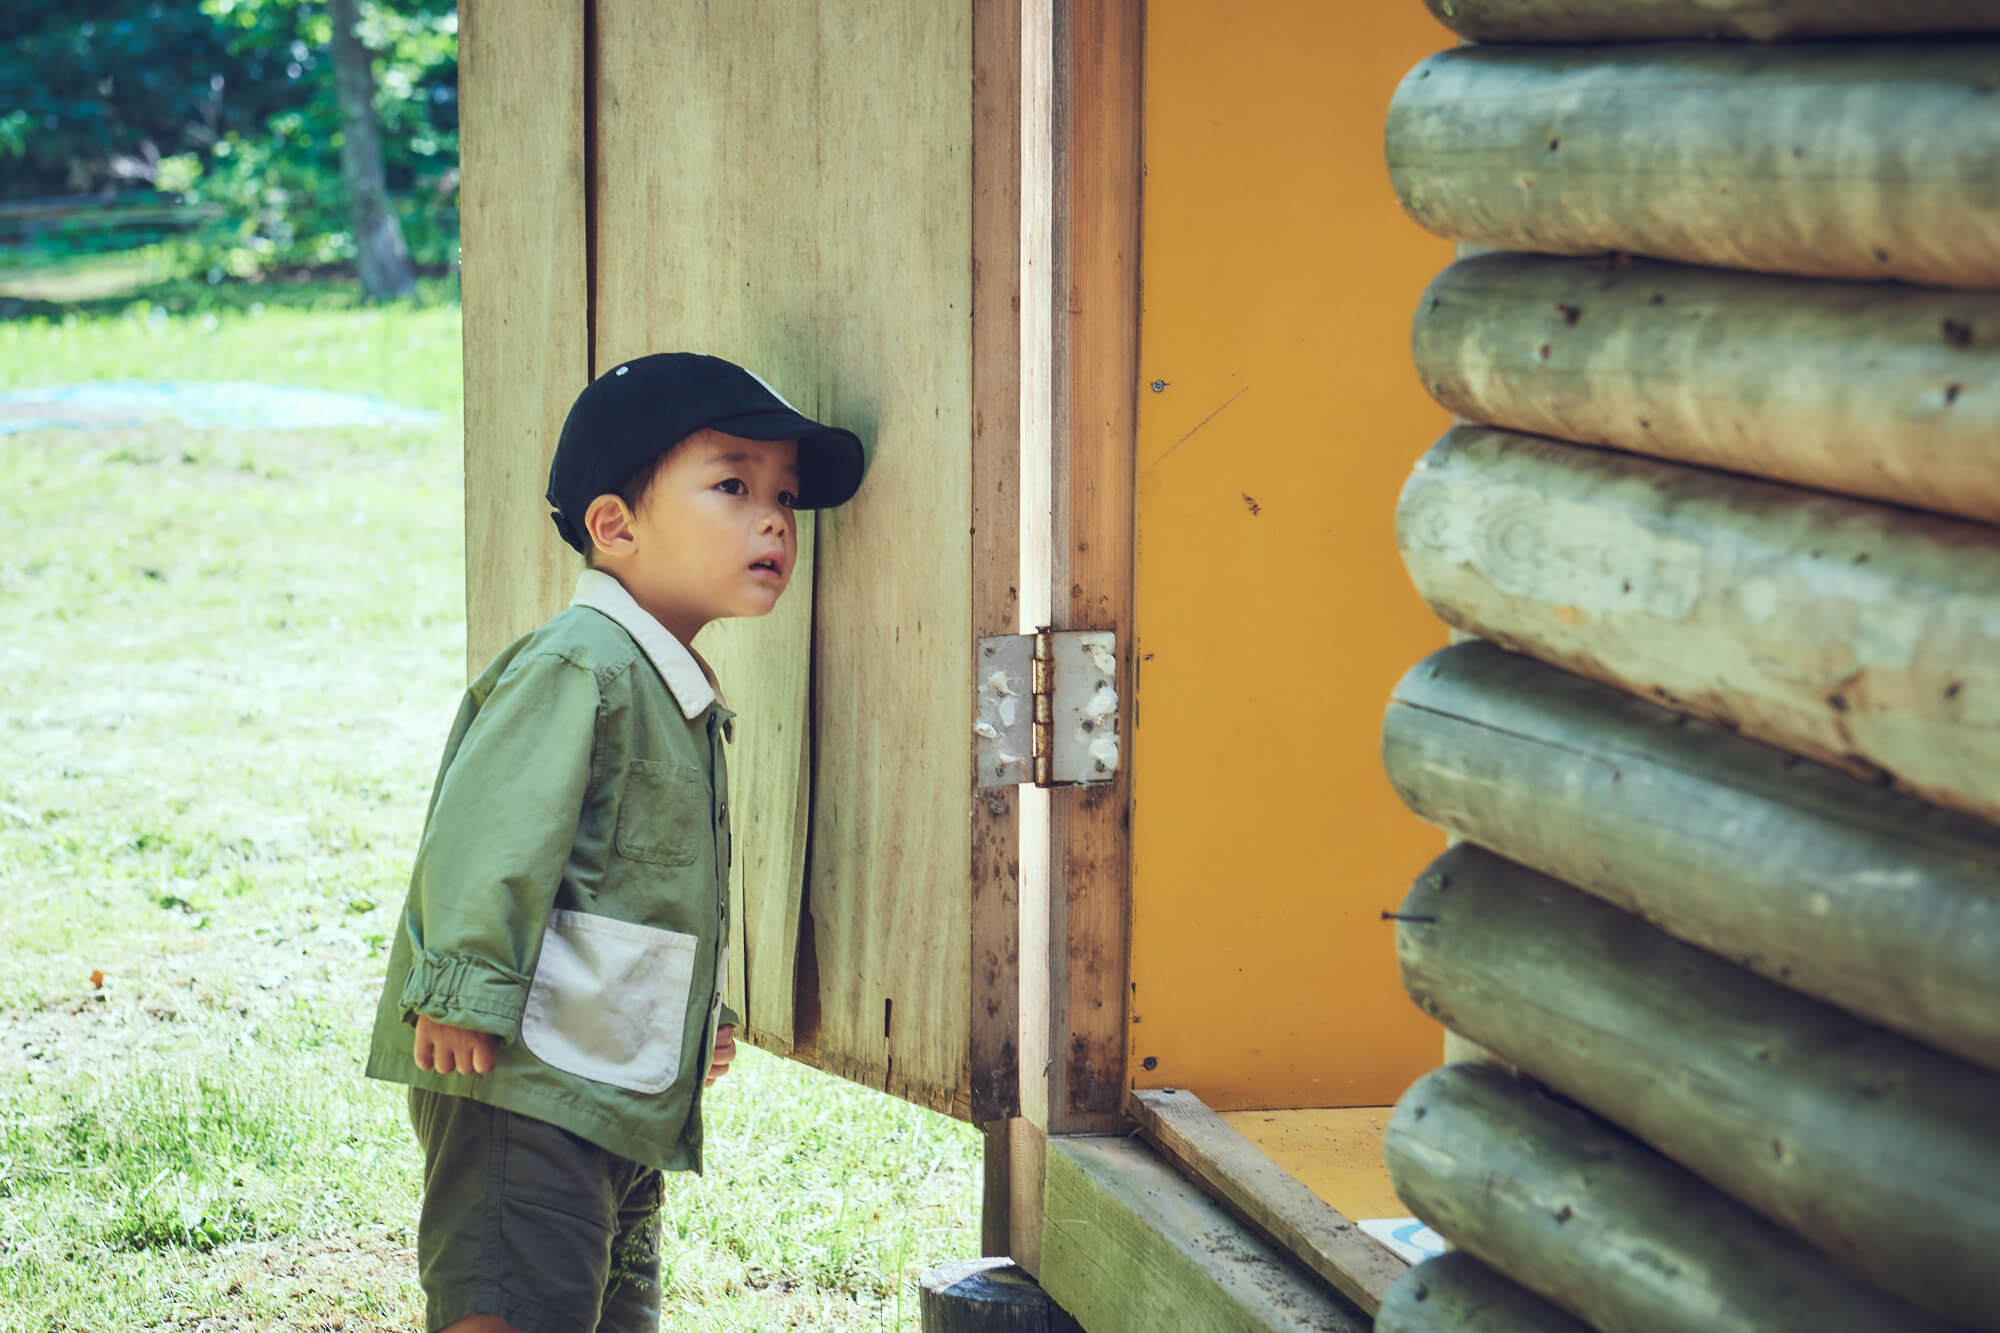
[571, 891]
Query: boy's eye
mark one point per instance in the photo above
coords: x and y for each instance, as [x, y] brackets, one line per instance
[731, 486]
[788, 500]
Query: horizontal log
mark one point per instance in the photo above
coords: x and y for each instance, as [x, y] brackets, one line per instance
[1875, 389]
[1605, 1227]
[1858, 634]
[1662, 20]
[1879, 1151]
[1854, 161]
[1870, 900]
[1455, 1293]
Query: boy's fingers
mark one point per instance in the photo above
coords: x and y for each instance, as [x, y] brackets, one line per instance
[482, 1054]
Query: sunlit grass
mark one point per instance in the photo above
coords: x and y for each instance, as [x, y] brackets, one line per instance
[227, 661]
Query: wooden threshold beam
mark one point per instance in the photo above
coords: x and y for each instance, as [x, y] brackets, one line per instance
[1130, 1246]
[1215, 1155]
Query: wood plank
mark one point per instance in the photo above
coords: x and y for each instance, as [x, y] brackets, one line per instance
[816, 228]
[1099, 53]
[988, 1296]
[1131, 1247]
[1869, 900]
[1578, 1213]
[527, 353]
[671, 277]
[1878, 389]
[999, 192]
[1877, 1150]
[1842, 160]
[1455, 1293]
[1027, 1170]
[1335, 1151]
[1861, 635]
[1659, 20]
[1275, 1203]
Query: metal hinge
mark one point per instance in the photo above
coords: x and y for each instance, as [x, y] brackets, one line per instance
[1047, 708]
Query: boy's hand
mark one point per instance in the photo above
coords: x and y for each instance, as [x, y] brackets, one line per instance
[453, 1050]
[725, 1051]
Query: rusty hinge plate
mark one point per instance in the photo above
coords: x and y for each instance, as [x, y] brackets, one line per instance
[1047, 709]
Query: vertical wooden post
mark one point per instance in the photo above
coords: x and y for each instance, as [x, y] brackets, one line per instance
[1100, 53]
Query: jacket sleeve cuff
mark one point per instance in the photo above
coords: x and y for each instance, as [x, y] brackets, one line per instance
[729, 1018]
[466, 992]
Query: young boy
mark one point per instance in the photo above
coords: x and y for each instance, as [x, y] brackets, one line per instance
[554, 996]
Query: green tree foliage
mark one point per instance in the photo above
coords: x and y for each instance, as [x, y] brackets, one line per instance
[231, 104]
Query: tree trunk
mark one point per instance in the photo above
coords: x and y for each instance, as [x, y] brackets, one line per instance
[1581, 1215]
[1877, 389]
[1877, 1150]
[1849, 161]
[1455, 1293]
[1657, 20]
[1859, 634]
[1869, 900]
[378, 240]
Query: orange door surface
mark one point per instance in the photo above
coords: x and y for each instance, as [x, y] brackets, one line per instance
[1278, 417]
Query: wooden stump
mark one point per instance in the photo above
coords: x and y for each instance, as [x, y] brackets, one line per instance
[989, 1296]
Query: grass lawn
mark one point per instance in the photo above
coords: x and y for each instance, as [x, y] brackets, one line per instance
[227, 661]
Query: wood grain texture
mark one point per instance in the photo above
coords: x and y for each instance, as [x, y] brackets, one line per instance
[1658, 20]
[998, 189]
[988, 1296]
[1455, 1293]
[1875, 1149]
[1849, 160]
[1131, 1247]
[817, 227]
[1878, 390]
[1599, 1224]
[1858, 634]
[527, 353]
[1869, 900]
[1277, 1205]
[1098, 114]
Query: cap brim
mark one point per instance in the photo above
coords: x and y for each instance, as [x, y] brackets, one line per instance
[831, 460]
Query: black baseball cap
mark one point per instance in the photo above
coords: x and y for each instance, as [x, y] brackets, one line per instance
[636, 411]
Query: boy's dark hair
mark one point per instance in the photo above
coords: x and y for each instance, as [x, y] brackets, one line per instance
[619, 418]
[633, 491]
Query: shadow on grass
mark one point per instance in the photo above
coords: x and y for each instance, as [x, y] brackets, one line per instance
[113, 284]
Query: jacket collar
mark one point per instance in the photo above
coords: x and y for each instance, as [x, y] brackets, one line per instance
[686, 675]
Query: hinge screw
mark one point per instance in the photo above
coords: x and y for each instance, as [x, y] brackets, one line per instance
[1159, 386]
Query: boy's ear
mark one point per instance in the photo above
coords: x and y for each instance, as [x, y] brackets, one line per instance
[609, 525]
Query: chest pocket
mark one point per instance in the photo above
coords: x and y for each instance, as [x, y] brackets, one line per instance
[662, 812]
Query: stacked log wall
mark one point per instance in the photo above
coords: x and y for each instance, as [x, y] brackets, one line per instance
[1725, 762]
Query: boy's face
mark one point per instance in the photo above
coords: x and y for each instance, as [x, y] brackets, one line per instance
[714, 534]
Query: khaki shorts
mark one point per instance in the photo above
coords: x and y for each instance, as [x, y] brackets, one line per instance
[532, 1223]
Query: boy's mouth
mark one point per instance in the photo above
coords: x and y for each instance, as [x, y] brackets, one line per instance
[767, 566]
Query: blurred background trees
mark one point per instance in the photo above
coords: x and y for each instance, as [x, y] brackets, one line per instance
[216, 129]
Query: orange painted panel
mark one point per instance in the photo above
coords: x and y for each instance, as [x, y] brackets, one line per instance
[1337, 1154]
[1273, 615]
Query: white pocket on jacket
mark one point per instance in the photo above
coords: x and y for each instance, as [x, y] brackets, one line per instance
[609, 1000]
